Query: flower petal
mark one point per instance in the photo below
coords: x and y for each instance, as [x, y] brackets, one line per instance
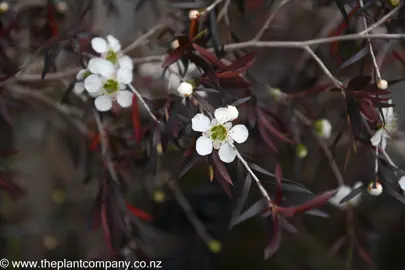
[103, 103]
[114, 43]
[78, 88]
[377, 137]
[383, 142]
[401, 183]
[203, 146]
[124, 75]
[342, 192]
[233, 112]
[93, 83]
[239, 133]
[99, 45]
[126, 62]
[124, 98]
[226, 153]
[80, 74]
[101, 66]
[222, 115]
[200, 122]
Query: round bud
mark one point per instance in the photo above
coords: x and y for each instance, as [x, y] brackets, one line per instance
[302, 151]
[4, 6]
[323, 127]
[375, 190]
[394, 2]
[159, 196]
[215, 246]
[382, 84]
[193, 14]
[185, 89]
[61, 7]
[175, 44]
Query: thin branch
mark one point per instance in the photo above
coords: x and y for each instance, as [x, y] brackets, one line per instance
[255, 178]
[104, 147]
[140, 98]
[380, 21]
[211, 7]
[269, 20]
[224, 13]
[188, 210]
[145, 37]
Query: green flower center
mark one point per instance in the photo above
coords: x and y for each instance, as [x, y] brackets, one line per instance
[111, 86]
[86, 74]
[219, 133]
[112, 57]
[318, 126]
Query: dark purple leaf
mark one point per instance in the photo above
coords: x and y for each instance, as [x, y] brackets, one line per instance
[279, 176]
[340, 4]
[175, 56]
[220, 167]
[363, 254]
[214, 32]
[243, 63]
[256, 209]
[240, 101]
[358, 56]
[208, 56]
[338, 245]
[285, 224]
[313, 203]
[241, 200]
[269, 142]
[265, 121]
[317, 212]
[358, 83]
[274, 244]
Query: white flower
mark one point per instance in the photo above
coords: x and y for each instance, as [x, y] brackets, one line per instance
[80, 77]
[375, 191]
[185, 89]
[219, 134]
[4, 6]
[381, 135]
[109, 89]
[324, 128]
[110, 50]
[401, 184]
[175, 44]
[343, 191]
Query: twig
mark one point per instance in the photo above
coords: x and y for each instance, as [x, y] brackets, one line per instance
[377, 70]
[143, 103]
[380, 21]
[145, 37]
[211, 7]
[259, 184]
[224, 12]
[188, 210]
[269, 19]
[104, 147]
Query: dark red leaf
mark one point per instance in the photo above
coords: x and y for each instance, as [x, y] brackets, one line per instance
[190, 150]
[266, 123]
[210, 57]
[52, 19]
[367, 108]
[139, 213]
[220, 167]
[136, 120]
[106, 227]
[9, 186]
[363, 254]
[314, 203]
[274, 244]
[193, 28]
[243, 63]
[227, 74]
[279, 190]
[358, 83]
[338, 245]
[94, 142]
[175, 55]
[311, 91]
[234, 82]
[269, 142]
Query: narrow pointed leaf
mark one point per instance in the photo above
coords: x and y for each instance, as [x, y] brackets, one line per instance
[341, 6]
[175, 56]
[358, 83]
[285, 224]
[313, 203]
[358, 56]
[214, 32]
[338, 245]
[220, 167]
[241, 200]
[266, 123]
[269, 142]
[279, 176]
[366, 257]
[139, 213]
[208, 56]
[252, 211]
[240, 101]
[317, 212]
[243, 63]
[274, 244]
[106, 227]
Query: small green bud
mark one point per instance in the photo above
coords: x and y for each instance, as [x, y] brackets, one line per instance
[215, 246]
[302, 151]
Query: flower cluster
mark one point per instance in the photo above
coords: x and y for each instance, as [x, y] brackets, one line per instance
[384, 132]
[107, 76]
[219, 134]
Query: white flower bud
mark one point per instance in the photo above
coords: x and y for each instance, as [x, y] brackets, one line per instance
[324, 128]
[375, 191]
[4, 6]
[276, 93]
[62, 6]
[394, 2]
[382, 84]
[175, 44]
[193, 14]
[185, 89]
[302, 151]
